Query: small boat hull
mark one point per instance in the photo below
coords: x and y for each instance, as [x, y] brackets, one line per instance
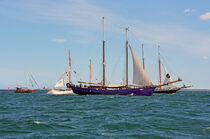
[60, 92]
[24, 91]
[93, 91]
[167, 91]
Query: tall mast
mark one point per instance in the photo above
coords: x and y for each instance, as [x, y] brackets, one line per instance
[69, 67]
[159, 64]
[143, 56]
[126, 29]
[104, 79]
[90, 72]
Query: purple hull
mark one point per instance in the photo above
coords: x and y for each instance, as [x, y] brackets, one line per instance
[92, 91]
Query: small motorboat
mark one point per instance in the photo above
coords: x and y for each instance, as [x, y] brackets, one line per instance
[23, 90]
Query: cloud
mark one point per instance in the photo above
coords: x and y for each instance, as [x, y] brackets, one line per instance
[75, 12]
[58, 40]
[205, 16]
[176, 37]
[189, 10]
[205, 57]
[87, 17]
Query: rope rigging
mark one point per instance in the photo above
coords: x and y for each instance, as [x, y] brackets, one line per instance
[115, 24]
[35, 81]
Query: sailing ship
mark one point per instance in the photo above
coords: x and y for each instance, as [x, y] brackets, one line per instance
[26, 89]
[60, 86]
[171, 88]
[142, 83]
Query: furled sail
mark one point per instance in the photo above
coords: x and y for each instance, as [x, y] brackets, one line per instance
[168, 77]
[61, 82]
[139, 75]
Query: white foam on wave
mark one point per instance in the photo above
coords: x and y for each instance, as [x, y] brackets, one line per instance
[208, 128]
[36, 122]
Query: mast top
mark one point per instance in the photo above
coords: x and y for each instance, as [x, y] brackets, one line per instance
[159, 50]
[127, 29]
[103, 28]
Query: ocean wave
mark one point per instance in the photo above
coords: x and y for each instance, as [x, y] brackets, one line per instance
[36, 122]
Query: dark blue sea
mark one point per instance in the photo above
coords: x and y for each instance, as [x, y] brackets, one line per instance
[185, 114]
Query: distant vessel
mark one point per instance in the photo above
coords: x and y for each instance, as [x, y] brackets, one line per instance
[23, 90]
[26, 89]
[168, 89]
[59, 87]
[139, 77]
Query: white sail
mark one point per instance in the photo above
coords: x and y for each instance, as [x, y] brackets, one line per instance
[61, 82]
[168, 77]
[139, 75]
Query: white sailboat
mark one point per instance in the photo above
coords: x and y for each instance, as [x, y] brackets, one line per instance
[59, 88]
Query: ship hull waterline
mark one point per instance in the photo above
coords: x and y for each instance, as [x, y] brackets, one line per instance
[92, 91]
[165, 91]
[24, 91]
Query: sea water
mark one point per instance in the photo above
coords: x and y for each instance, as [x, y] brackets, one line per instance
[185, 114]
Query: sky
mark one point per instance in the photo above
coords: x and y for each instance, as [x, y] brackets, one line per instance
[36, 35]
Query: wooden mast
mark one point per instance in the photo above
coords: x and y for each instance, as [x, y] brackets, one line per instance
[126, 29]
[159, 63]
[69, 67]
[90, 72]
[143, 56]
[104, 77]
